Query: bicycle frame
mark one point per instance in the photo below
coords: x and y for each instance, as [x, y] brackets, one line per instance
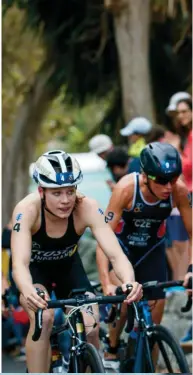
[78, 339]
[144, 318]
[142, 314]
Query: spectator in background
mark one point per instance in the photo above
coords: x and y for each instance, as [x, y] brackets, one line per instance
[118, 163]
[177, 235]
[14, 322]
[184, 128]
[157, 134]
[136, 131]
[171, 109]
[101, 144]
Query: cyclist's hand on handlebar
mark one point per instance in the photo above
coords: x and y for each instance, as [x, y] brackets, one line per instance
[186, 280]
[135, 294]
[34, 301]
[109, 289]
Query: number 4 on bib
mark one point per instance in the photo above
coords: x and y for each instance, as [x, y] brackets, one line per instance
[17, 227]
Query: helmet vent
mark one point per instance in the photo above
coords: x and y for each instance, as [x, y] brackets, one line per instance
[55, 165]
[150, 146]
[54, 152]
[156, 160]
[68, 162]
[46, 179]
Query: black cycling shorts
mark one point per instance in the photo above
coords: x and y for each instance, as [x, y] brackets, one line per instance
[153, 267]
[66, 275]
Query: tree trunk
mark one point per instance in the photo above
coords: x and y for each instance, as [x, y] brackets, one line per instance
[131, 22]
[19, 153]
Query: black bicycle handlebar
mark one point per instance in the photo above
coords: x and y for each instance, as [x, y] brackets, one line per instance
[118, 298]
[77, 301]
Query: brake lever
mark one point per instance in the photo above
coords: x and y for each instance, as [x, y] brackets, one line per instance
[115, 310]
[38, 318]
[119, 291]
[117, 314]
[188, 305]
[118, 311]
[38, 325]
[112, 315]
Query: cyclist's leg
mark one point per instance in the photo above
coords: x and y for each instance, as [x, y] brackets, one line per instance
[178, 253]
[154, 267]
[89, 321]
[39, 350]
[115, 331]
[38, 353]
[76, 278]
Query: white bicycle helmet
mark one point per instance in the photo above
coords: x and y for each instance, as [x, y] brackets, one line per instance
[56, 169]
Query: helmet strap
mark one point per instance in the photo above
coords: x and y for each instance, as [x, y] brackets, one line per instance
[44, 205]
[149, 188]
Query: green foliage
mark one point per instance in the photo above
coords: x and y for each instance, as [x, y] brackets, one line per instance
[79, 39]
[70, 126]
[22, 55]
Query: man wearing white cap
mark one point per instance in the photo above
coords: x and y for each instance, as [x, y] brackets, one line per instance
[136, 130]
[101, 144]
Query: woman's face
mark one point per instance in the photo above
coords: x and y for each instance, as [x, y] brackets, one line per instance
[60, 201]
[184, 114]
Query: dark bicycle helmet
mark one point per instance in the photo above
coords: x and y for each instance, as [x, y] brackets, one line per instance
[161, 160]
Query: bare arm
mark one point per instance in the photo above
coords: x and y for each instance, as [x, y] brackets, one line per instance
[114, 211]
[182, 199]
[22, 221]
[184, 204]
[109, 246]
[21, 248]
[102, 257]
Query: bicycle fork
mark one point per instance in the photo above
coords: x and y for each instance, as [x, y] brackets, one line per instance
[77, 340]
[143, 350]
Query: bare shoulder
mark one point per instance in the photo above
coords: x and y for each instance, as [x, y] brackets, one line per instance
[86, 212]
[86, 204]
[28, 208]
[179, 191]
[127, 181]
[124, 189]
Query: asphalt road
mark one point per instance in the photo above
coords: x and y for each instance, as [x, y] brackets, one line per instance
[10, 365]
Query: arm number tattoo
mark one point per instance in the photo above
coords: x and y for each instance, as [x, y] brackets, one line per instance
[109, 217]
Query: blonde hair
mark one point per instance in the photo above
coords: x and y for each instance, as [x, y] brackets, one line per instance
[79, 198]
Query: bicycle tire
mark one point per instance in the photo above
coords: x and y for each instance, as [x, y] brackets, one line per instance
[158, 334]
[91, 358]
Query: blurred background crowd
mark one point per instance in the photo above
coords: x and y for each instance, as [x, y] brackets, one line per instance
[99, 79]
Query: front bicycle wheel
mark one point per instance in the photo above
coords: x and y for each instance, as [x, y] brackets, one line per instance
[171, 358]
[90, 361]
